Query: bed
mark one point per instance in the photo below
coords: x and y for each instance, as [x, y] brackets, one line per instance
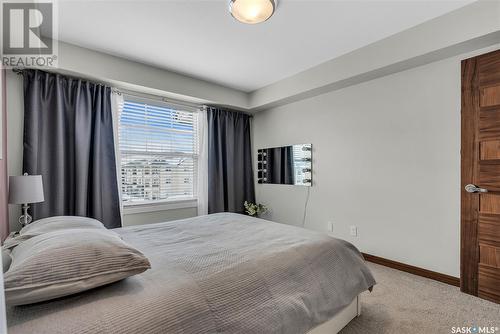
[221, 273]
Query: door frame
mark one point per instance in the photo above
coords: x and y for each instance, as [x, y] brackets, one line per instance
[469, 202]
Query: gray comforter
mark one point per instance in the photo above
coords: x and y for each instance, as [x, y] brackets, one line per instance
[222, 273]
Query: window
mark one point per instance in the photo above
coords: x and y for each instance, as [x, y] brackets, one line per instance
[159, 151]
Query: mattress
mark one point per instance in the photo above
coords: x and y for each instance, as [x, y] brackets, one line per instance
[221, 273]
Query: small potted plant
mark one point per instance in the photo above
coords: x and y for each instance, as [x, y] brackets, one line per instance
[254, 210]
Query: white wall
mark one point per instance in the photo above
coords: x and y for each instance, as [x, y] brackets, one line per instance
[15, 117]
[386, 158]
[158, 216]
[132, 75]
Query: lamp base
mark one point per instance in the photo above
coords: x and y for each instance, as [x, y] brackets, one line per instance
[25, 219]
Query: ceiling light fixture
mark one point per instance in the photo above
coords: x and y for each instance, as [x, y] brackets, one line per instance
[252, 11]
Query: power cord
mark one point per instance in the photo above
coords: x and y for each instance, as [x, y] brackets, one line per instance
[305, 206]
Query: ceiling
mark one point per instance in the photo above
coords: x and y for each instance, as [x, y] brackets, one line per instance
[202, 40]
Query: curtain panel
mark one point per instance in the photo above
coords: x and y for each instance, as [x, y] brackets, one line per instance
[202, 172]
[116, 109]
[68, 139]
[4, 216]
[230, 172]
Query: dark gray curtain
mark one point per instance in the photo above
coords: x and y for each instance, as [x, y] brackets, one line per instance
[68, 139]
[230, 174]
[280, 165]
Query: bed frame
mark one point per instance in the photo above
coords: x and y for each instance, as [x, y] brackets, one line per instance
[339, 321]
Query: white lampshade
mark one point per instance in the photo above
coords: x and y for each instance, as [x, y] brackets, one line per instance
[25, 189]
[252, 11]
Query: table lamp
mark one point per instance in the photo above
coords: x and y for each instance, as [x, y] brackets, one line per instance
[24, 190]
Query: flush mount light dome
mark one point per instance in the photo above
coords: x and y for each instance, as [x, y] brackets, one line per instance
[252, 11]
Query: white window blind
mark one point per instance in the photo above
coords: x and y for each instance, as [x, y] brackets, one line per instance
[159, 151]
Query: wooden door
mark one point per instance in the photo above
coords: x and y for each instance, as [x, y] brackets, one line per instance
[480, 202]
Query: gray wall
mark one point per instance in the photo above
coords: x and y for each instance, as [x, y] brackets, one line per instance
[136, 76]
[158, 216]
[386, 158]
[15, 117]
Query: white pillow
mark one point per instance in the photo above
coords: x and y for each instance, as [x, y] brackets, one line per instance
[52, 224]
[64, 262]
[6, 259]
[55, 223]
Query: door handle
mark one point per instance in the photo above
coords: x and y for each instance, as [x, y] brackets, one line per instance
[471, 188]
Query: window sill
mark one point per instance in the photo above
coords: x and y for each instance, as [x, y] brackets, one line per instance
[133, 208]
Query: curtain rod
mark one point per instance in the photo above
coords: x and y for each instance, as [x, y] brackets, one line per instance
[159, 97]
[20, 71]
[120, 91]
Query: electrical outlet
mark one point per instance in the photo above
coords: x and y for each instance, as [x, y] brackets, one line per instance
[330, 227]
[354, 231]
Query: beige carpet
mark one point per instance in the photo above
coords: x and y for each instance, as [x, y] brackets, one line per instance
[405, 303]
